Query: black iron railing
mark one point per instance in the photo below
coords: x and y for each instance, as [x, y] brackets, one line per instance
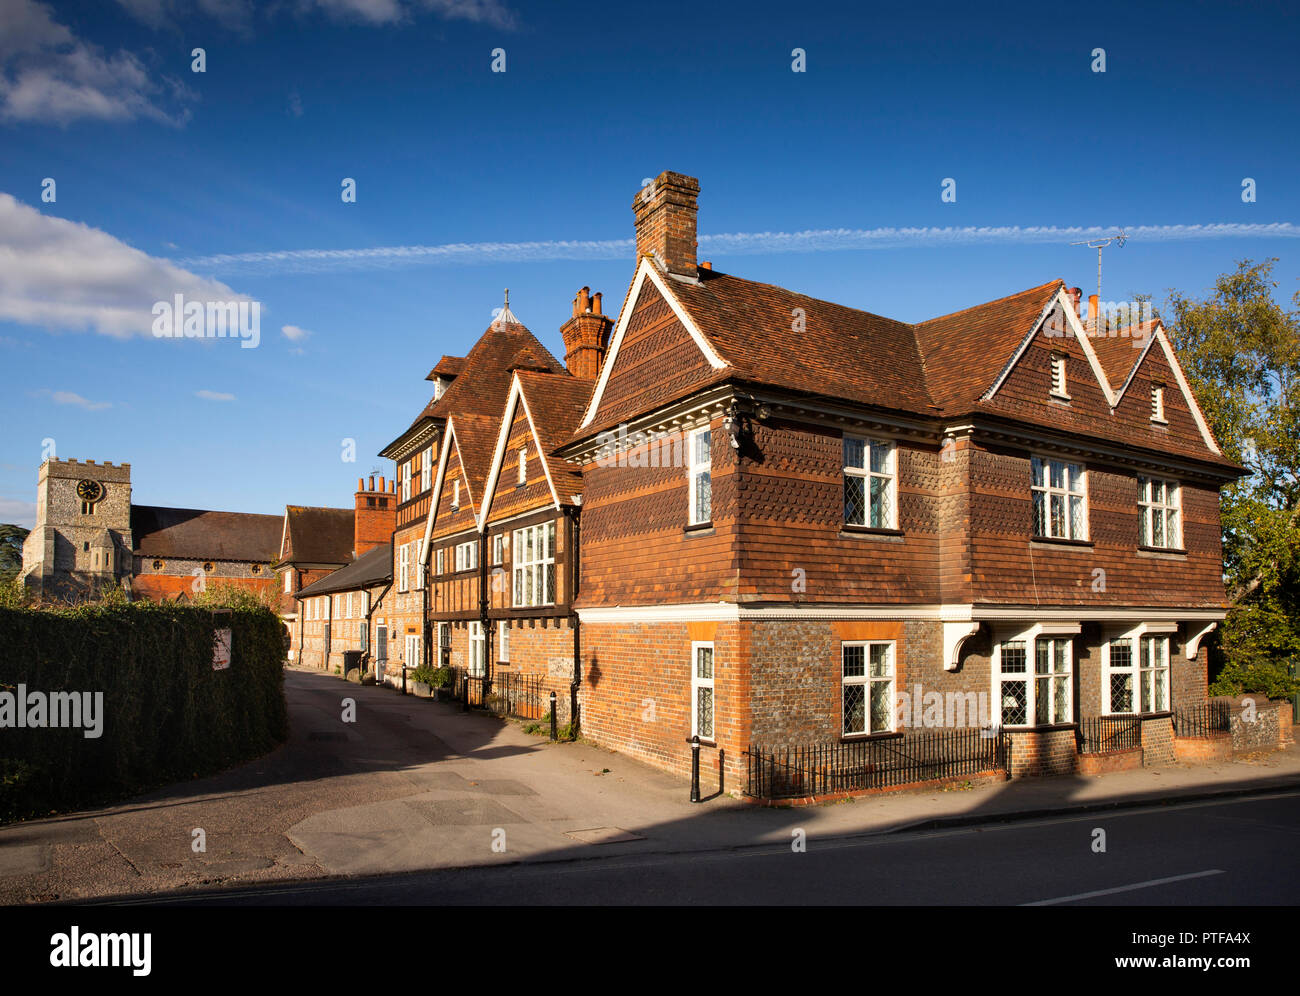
[827, 768]
[519, 695]
[1203, 721]
[1104, 734]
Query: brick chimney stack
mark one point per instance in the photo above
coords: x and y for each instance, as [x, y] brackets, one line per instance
[665, 221]
[586, 336]
[375, 517]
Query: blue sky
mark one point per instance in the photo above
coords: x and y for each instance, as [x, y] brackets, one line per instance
[247, 158]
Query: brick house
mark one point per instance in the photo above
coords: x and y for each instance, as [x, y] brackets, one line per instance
[801, 522]
[343, 612]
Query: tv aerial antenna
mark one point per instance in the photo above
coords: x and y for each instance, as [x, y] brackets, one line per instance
[1118, 239]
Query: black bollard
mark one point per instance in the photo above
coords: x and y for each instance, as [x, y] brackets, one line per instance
[555, 734]
[695, 768]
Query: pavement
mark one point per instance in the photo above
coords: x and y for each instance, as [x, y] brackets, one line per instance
[415, 785]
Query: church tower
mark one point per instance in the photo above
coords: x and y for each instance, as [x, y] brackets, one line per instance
[82, 539]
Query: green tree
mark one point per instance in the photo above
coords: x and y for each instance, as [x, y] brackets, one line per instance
[11, 550]
[1240, 350]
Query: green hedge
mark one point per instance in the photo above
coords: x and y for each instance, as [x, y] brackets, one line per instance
[166, 715]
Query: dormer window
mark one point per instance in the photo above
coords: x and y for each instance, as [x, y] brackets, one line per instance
[1058, 377]
[1157, 403]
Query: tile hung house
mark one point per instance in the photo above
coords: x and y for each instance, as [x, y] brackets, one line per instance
[496, 547]
[795, 515]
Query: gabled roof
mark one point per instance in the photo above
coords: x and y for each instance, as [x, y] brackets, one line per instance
[553, 404]
[448, 366]
[372, 568]
[484, 381]
[315, 535]
[964, 352]
[1119, 351]
[196, 534]
[474, 435]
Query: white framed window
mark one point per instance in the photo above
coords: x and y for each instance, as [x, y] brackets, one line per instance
[406, 481]
[1060, 495]
[1159, 523]
[440, 561]
[476, 649]
[1053, 687]
[1013, 685]
[455, 493]
[1153, 674]
[1158, 404]
[444, 635]
[499, 548]
[870, 483]
[1058, 376]
[412, 650]
[702, 703]
[426, 469]
[288, 581]
[466, 556]
[348, 604]
[523, 465]
[1120, 682]
[363, 599]
[415, 565]
[403, 562]
[699, 474]
[534, 564]
[503, 641]
[867, 686]
[363, 636]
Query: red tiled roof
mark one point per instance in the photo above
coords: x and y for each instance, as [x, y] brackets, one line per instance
[318, 535]
[964, 352]
[476, 437]
[1119, 353]
[448, 366]
[557, 403]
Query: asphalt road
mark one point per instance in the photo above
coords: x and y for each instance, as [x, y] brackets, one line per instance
[1230, 852]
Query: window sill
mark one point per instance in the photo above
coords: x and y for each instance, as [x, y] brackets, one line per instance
[700, 528]
[1162, 552]
[850, 529]
[1060, 399]
[703, 742]
[1047, 542]
[853, 738]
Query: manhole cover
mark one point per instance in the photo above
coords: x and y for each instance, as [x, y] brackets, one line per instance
[604, 835]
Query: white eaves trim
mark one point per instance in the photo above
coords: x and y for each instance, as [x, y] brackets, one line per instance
[1058, 619]
[1066, 304]
[645, 270]
[498, 455]
[436, 497]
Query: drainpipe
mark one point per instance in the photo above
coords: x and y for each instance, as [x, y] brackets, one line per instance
[483, 606]
[374, 606]
[571, 515]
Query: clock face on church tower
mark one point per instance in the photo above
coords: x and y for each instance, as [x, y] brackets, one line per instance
[91, 491]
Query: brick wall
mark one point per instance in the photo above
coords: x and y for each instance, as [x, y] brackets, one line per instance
[1158, 741]
[1043, 752]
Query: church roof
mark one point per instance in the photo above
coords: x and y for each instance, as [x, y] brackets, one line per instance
[198, 534]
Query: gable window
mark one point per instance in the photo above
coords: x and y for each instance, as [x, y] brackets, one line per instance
[1158, 404]
[426, 469]
[476, 649]
[1060, 499]
[1158, 523]
[870, 483]
[466, 556]
[1058, 377]
[403, 562]
[699, 474]
[503, 641]
[406, 481]
[867, 687]
[534, 564]
[523, 466]
[702, 690]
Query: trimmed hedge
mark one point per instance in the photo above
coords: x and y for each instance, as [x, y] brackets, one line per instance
[166, 715]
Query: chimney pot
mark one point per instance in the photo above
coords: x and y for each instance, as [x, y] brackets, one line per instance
[706, 265]
[1093, 306]
[361, 484]
[595, 303]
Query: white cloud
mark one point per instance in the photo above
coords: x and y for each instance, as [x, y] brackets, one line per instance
[294, 334]
[66, 276]
[49, 75]
[19, 513]
[738, 243]
[72, 398]
[214, 395]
